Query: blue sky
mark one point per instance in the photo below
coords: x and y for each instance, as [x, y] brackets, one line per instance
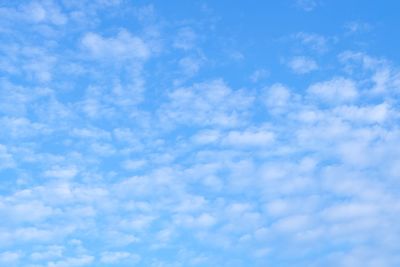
[199, 133]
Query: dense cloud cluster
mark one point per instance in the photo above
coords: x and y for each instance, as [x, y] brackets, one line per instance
[114, 153]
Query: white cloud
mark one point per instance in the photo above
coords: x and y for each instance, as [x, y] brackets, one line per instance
[49, 252]
[236, 55]
[124, 46]
[108, 155]
[364, 114]
[350, 211]
[115, 257]
[313, 41]
[6, 159]
[185, 39]
[379, 71]
[262, 252]
[203, 220]
[278, 98]
[190, 65]
[62, 172]
[206, 137]
[336, 90]
[83, 260]
[25, 212]
[103, 149]
[9, 257]
[307, 5]
[295, 223]
[357, 27]
[133, 164]
[90, 133]
[252, 138]
[44, 12]
[32, 234]
[302, 65]
[278, 207]
[258, 75]
[38, 12]
[137, 223]
[208, 103]
[21, 127]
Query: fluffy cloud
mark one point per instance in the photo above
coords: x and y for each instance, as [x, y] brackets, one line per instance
[313, 41]
[258, 138]
[307, 5]
[185, 39]
[302, 65]
[9, 257]
[123, 46]
[278, 98]
[117, 256]
[6, 158]
[73, 262]
[208, 103]
[336, 90]
[132, 151]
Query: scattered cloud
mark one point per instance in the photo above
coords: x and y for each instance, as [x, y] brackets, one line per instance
[185, 39]
[307, 5]
[130, 136]
[122, 47]
[313, 41]
[116, 257]
[302, 65]
[336, 90]
[211, 102]
[258, 75]
[357, 27]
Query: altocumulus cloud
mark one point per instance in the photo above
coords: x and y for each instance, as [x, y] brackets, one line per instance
[131, 135]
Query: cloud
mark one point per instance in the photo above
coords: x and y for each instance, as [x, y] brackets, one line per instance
[380, 72]
[49, 252]
[62, 172]
[278, 98]
[206, 137]
[252, 138]
[313, 41]
[124, 46]
[133, 147]
[295, 223]
[203, 220]
[336, 90]
[6, 159]
[25, 212]
[90, 133]
[45, 12]
[357, 27]
[350, 211]
[368, 114]
[185, 39]
[207, 103]
[307, 5]
[37, 12]
[302, 65]
[133, 164]
[258, 75]
[83, 260]
[21, 127]
[190, 66]
[115, 257]
[9, 257]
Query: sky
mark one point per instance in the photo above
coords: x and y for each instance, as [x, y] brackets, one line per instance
[199, 133]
